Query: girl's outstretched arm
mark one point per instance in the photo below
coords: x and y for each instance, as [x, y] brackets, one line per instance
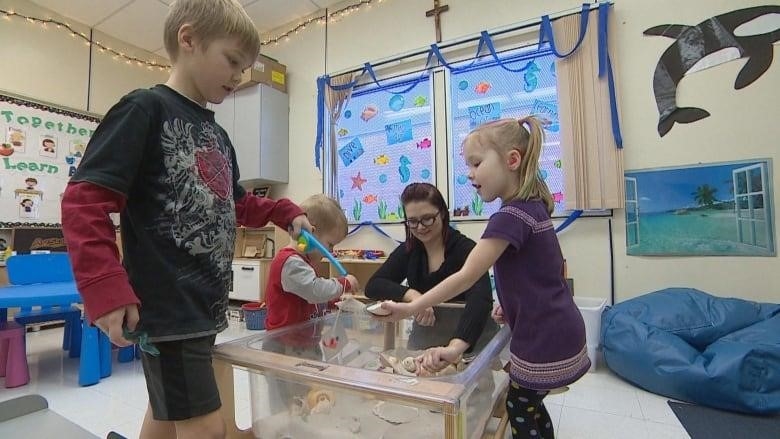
[477, 264]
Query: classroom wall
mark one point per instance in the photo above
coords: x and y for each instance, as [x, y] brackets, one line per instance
[742, 126]
[48, 65]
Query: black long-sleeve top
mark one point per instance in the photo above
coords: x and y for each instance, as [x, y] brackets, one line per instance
[412, 265]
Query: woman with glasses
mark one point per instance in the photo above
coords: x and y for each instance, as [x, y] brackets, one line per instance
[432, 252]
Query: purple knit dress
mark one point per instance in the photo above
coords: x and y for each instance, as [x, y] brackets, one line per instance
[548, 334]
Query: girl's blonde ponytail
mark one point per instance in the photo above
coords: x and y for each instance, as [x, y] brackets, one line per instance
[531, 183]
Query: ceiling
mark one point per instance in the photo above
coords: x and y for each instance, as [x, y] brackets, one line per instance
[140, 22]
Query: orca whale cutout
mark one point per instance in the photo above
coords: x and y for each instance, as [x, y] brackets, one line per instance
[694, 43]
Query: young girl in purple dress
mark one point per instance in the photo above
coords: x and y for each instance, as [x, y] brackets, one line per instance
[548, 334]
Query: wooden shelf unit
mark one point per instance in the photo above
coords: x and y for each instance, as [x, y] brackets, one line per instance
[362, 269]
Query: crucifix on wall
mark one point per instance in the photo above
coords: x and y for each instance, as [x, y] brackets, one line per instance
[435, 13]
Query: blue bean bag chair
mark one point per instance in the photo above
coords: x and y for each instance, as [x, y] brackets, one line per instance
[692, 346]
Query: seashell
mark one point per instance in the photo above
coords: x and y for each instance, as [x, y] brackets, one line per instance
[409, 364]
[396, 413]
[377, 310]
[320, 400]
[449, 370]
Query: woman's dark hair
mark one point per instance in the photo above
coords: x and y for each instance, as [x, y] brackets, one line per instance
[430, 194]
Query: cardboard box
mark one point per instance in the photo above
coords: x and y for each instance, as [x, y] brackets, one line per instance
[265, 71]
[250, 243]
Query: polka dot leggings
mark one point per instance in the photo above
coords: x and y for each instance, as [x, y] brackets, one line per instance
[528, 416]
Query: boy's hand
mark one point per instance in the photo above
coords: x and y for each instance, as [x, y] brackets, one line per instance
[113, 323]
[498, 315]
[298, 223]
[354, 285]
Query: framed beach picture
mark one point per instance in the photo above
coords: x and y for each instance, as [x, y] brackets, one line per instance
[718, 209]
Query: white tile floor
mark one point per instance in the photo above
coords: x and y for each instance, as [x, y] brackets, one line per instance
[600, 405]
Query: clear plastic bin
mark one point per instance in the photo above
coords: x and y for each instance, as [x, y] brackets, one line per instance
[591, 309]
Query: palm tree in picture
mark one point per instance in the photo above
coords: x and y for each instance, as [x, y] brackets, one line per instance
[705, 195]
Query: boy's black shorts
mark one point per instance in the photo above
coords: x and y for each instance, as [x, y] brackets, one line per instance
[180, 380]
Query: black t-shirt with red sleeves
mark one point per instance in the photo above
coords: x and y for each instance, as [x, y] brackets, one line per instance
[177, 170]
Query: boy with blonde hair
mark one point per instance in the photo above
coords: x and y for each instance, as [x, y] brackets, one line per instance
[161, 161]
[295, 292]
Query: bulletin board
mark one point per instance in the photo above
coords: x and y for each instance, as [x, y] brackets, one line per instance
[41, 146]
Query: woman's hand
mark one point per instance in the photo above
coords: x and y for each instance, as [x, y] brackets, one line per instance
[426, 317]
[498, 315]
[437, 358]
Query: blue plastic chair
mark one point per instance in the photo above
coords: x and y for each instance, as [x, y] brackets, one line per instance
[43, 269]
[81, 339]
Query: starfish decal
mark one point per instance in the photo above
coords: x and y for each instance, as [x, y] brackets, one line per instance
[358, 181]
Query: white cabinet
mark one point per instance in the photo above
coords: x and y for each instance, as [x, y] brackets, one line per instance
[247, 280]
[257, 120]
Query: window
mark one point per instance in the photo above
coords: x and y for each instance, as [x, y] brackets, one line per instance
[632, 213]
[486, 91]
[753, 219]
[385, 142]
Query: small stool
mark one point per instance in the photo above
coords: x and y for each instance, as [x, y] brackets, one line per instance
[13, 355]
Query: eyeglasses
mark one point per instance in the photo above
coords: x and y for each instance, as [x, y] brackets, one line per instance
[425, 221]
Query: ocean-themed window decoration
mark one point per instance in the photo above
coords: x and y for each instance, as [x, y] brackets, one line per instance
[483, 91]
[388, 123]
[718, 209]
[384, 142]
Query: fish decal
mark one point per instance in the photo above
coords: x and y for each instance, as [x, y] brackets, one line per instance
[382, 160]
[368, 199]
[420, 101]
[342, 132]
[368, 113]
[557, 197]
[483, 87]
[424, 143]
[694, 43]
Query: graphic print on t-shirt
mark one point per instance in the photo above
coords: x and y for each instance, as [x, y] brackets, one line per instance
[213, 168]
[199, 206]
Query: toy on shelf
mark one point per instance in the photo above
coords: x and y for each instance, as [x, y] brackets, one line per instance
[359, 254]
[308, 243]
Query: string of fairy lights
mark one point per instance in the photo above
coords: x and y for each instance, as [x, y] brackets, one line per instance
[333, 17]
[47, 23]
[118, 55]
